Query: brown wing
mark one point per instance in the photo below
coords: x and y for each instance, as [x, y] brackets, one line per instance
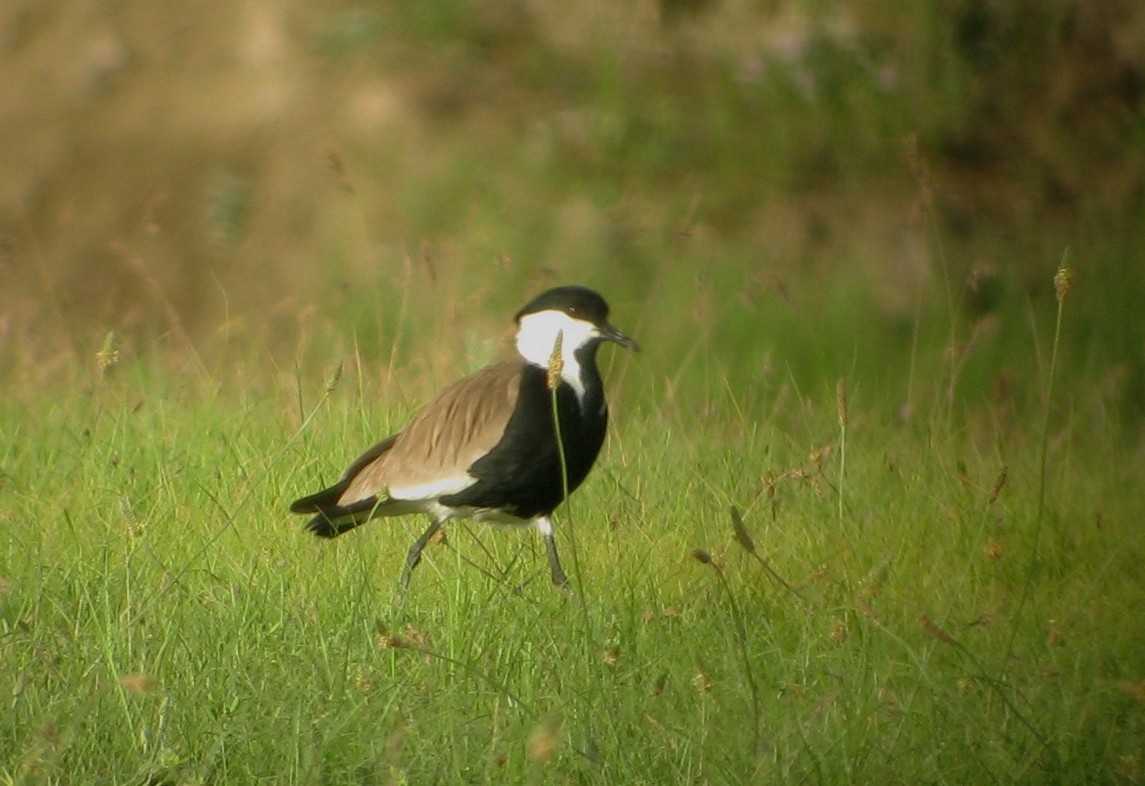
[431, 456]
[328, 499]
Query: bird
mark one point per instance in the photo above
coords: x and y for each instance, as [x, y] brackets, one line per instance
[488, 446]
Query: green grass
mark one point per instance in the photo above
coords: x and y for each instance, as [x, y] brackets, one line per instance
[164, 620]
[772, 204]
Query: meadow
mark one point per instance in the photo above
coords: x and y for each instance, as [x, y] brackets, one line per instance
[800, 586]
[870, 507]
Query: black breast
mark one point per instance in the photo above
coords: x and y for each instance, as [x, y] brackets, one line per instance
[522, 474]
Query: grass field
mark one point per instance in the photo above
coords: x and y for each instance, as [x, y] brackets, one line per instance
[871, 506]
[921, 602]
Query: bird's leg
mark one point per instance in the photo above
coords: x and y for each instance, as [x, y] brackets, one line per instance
[414, 555]
[545, 525]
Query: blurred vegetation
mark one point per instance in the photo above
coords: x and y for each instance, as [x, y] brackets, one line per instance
[777, 190]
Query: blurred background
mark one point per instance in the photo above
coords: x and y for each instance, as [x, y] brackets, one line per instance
[768, 192]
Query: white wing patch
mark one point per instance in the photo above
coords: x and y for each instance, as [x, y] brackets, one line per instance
[432, 490]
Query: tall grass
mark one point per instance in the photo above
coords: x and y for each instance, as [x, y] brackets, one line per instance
[164, 620]
[887, 604]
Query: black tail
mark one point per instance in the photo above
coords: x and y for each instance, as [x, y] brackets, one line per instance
[333, 519]
[325, 501]
[324, 527]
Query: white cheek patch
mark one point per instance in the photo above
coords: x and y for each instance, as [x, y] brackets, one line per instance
[537, 337]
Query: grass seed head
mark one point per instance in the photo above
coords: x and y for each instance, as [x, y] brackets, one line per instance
[930, 628]
[386, 640]
[841, 402]
[556, 362]
[742, 536]
[1063, 282]
[700, 555]
[999, 482]
[769, 481]
[411, 638]
[334, 377]
[108, 354]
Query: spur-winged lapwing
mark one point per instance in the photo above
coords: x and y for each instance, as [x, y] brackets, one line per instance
[486, 447]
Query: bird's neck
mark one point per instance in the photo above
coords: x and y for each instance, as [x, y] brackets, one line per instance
[576, 363]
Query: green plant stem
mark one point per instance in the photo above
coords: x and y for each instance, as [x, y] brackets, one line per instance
[741, 639]
[590, 638]
[1044, 448]
[1043, 459]
[842, 466]
[998, 687]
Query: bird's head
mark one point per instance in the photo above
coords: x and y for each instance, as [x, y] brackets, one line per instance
[575, 316]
